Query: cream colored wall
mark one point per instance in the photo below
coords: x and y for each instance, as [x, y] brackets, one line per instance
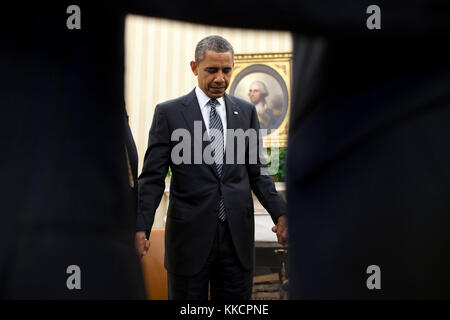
[158, 53]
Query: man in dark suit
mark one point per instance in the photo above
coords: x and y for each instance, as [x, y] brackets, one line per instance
[210, 221]
[66, 198]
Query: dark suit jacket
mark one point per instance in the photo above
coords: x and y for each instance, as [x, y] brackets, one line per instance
[195, 189]
[132, 166]
[65, 197]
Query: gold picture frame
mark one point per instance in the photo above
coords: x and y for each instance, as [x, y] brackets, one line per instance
[270, 73]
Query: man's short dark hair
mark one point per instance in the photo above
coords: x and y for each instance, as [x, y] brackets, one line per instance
[213, 43]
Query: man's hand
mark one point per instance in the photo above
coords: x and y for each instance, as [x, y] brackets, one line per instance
[281, 229]
[141, 244]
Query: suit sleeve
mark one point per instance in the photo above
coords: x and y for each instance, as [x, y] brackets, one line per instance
[261, 182]
[156, 164]
[326, 17]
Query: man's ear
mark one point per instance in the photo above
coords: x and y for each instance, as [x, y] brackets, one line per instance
[194, 68]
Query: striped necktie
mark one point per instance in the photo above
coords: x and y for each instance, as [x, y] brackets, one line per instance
[215, 123]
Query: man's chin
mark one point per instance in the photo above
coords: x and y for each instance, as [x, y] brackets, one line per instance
[216, 93]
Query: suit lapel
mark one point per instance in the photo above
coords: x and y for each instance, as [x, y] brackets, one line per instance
[191, 113]
[233, 122]
[233, 112]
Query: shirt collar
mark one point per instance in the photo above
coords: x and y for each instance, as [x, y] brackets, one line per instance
[203, 99]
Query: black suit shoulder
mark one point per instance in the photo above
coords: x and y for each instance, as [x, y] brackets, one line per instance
[168, 105]
[174, 104]
[248, 110]
[244, 105]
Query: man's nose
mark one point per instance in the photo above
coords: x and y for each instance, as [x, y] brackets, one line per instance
[219, 77]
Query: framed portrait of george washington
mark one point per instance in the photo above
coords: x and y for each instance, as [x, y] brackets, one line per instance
[264, 80]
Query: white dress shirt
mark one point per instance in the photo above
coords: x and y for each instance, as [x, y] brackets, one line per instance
[203, 100]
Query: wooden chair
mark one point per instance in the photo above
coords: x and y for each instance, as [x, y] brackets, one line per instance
[155, 275]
